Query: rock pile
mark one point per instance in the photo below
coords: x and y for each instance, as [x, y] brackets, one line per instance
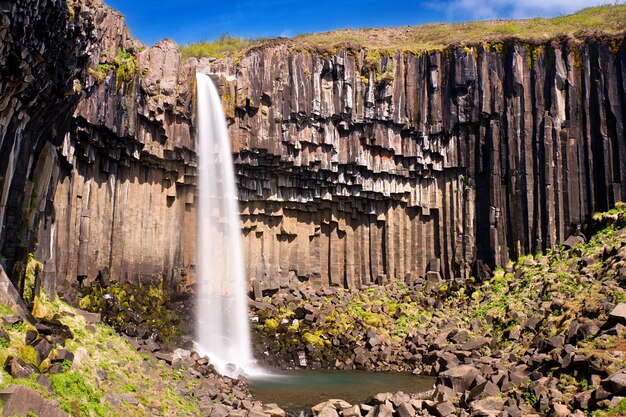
[546, 335]
[48, 353]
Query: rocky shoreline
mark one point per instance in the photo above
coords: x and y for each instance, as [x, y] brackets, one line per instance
[543, 336]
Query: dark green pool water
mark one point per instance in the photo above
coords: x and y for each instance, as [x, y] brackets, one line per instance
[299, 390]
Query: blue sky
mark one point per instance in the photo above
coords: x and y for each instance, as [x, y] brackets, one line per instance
[194, 20]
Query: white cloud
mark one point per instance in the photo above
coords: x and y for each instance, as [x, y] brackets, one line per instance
[504, 9]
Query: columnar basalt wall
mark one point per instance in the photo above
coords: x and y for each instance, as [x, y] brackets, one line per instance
[354, 167]
[358, 168]
[97, 159]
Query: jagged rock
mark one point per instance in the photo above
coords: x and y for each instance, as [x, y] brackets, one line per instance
[459, 378]
[560, 410]
[21, 400]
[475, 343]
[443, 409]
[583, 399]
[580, 331]
[273, 410]
[485, 389]
[615, 383]
[324, 159]
[335, 404]
[43, 349]
[31, 336]
[16, 367]
[405, 409]
[618, 314]
[328, 412]
[491, 406]
[573, 240]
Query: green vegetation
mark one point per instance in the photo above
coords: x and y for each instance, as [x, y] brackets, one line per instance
[33, 269]
[610, 19]
[224, 46]
[124, 64]
[105, 366]
[537, 296]
[143, 305]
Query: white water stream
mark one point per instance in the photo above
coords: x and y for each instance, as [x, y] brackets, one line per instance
[222, 324]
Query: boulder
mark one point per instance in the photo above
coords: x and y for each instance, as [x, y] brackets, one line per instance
[43, 349]
[335, 404]
[443, 409]
[491, 406]
[384, 410]
[475, 343]
[17, 368]
[572, 241]
[405, 409]
[327, 412]
[618, 314]
[616, 382]
[560, 410]
[459, 378]
[355, 411]
[273, 410]
[20, 400]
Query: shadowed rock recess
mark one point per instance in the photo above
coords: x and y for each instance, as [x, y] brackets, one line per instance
[354, 167]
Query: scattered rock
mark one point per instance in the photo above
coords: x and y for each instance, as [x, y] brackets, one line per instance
[20, 400]
[17, 368]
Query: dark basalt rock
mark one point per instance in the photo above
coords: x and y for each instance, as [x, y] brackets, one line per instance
[16, 367]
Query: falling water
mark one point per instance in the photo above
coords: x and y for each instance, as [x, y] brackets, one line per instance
[222, 331]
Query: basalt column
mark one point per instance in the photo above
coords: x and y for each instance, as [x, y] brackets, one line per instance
[358, 168]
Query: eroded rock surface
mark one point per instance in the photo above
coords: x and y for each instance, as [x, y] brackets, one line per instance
[354, 168]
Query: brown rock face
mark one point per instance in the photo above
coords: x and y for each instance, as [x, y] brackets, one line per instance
[353, 168]
[95, 142]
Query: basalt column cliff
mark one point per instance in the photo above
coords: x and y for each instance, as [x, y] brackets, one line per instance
[354, 170]
[95, 147]
[354, 166]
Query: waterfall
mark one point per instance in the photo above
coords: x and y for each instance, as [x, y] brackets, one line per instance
[222, 324]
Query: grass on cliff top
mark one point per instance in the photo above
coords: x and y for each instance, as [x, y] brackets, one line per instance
[224, 46]
[610, 19]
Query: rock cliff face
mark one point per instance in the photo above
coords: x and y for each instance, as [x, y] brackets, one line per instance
[95, 146]
[354, 167]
